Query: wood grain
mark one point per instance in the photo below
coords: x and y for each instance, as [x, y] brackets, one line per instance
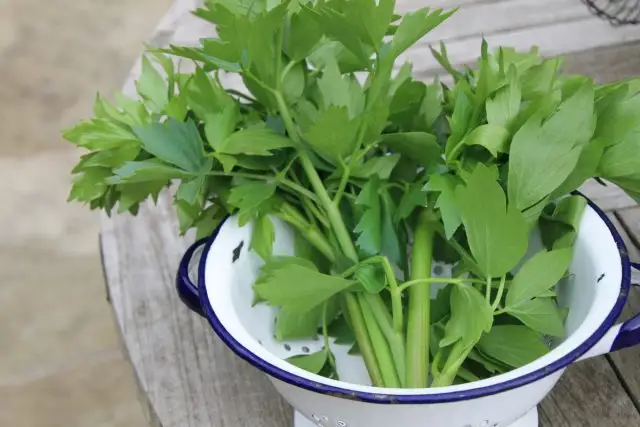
[477, 18]
[189, 378]
[607, 64]
[627, 361]
[553, 39]
[608, 198]
[589, 395]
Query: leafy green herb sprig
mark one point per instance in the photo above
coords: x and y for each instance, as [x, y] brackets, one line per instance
[379, 173]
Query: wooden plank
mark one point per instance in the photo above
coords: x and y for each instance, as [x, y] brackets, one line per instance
[588, 395]
[608, 198]
[187, 375]
[478, 18]
[554, 39]
[409, 5]
[607, 64]
[626, 361]
[190, 377]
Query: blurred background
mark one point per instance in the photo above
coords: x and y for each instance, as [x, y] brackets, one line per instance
[60, 361]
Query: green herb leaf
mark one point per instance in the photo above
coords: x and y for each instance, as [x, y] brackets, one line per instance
[263, 236]
[209, 220]
[372, 19]
[446, 203]
[489, 363]
[414, 26]
[340, 330]
[561, 228]
[174, 142]
[504, 107]
[291, 324]
[152, 86]
[294, 83]
[249, 197]
[338, 26]
[471, 315]
[618, 119]
[487, 78]
[304, 33]
[313, 362]
[204, 94]
[539, 79]
[334, 88]
[441, 305]
[192, 191]
[411, 199]
[145, 171]
[443, 59]
[259, 140]
[100, 134]
[492, 137]
[459, 121]
[540, 314]
[298, 287]
[371, 277]
[369, 228]
[333, 134]
[419, 146]
[377, 166]
[391, 246]
[514, 345]
[431, 108]
[498, 236]
[218, 126]
[538, 274]
[586, 168]
[90, 185]
[543, 156]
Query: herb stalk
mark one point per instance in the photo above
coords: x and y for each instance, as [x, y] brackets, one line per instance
[418, 326]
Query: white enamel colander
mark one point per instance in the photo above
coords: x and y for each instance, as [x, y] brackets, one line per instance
[226, 270]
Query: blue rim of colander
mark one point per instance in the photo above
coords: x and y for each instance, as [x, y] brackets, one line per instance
[450, 396]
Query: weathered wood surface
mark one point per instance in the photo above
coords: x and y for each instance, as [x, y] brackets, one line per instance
[627, 362]
[188, 377]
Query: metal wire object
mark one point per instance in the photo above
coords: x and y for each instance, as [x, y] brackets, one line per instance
[617, 12]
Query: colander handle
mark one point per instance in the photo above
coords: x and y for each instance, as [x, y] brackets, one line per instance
[187, 290]
[620, 336]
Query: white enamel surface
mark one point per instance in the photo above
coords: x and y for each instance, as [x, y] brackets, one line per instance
[499, 410]
[229, 287]
[530, 419]
[604, 345]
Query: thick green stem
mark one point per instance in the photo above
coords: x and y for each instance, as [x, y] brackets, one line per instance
[291, 215]
[333, 213]
[496, 303]
[487, 291]
[362, 337]
[287, 184]
[457, 356]
[396, 296]
[418, 326]
[380, 344]
[466, 256]
[394, 338]
[441, 280]
[315, 212]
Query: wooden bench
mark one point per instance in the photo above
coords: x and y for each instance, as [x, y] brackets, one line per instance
[188, 378]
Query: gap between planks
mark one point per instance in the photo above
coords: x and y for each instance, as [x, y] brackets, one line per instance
[625, 362]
